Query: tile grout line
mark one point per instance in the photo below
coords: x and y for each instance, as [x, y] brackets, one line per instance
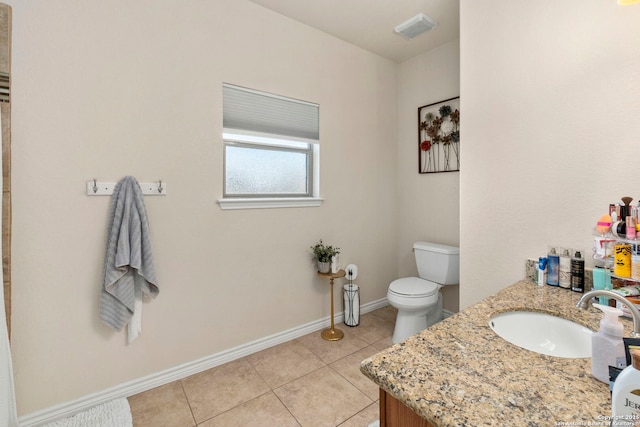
[286, 407]
[273, 390]
[186, 397]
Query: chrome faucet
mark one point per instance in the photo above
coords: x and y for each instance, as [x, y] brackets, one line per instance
[605, 293]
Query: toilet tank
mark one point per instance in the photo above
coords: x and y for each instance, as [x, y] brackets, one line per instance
[438, 263]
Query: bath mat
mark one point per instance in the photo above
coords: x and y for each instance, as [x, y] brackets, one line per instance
[375, 424]
[116, 413]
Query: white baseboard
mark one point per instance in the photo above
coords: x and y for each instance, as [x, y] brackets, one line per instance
[139, 385]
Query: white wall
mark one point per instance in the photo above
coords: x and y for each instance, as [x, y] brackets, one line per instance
[106, 89]
[551, 129]
[429, 204]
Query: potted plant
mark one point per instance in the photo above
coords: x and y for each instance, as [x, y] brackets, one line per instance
[323, 254]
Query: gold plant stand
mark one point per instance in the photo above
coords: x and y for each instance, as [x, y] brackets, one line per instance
[332, 334]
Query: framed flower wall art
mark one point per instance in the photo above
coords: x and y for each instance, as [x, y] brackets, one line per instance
[439, 136]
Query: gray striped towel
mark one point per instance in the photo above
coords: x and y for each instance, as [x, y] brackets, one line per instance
[128, 271]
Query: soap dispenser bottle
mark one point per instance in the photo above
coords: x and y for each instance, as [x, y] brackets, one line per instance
[607, 347]
[625, 400]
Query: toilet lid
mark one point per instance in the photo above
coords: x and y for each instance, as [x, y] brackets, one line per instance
[413, 286]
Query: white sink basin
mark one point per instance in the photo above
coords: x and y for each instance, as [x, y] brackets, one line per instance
[543, 333]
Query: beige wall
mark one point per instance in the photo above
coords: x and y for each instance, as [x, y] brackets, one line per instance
[551, 103]
[429, 204]
[105, 89]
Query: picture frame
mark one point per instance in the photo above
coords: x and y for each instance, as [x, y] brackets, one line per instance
[439, 136]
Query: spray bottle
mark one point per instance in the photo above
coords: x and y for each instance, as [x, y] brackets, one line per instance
[553, 265]
[607, 347]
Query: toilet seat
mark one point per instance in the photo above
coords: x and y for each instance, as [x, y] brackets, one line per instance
[413, 287]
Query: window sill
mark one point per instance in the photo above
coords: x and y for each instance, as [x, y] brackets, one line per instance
[272, 202]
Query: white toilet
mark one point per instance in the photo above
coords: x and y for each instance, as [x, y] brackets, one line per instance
[418, 300]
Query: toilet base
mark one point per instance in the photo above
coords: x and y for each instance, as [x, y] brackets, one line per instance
[409, 323]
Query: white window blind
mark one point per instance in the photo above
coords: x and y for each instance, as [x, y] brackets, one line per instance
[264, 113]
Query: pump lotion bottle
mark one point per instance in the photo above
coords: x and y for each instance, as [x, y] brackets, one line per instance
[625, 399]
[607, 347]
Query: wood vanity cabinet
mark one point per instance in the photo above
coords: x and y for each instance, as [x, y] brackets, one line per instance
[394, 413]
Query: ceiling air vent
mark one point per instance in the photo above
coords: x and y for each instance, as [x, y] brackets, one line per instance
[415, 26]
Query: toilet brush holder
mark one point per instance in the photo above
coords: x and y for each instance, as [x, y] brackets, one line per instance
[351, 304]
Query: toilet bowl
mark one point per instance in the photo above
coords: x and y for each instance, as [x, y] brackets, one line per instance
[418, 299]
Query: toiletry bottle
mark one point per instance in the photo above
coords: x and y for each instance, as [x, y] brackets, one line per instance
[630, 230]
[626, 209]
[542, 270]
[564, 270]
[608, 285]
[607, 347]
[553, 261]
[577, 273]
[635, 267]
[625, 398]
[601, 279]
[622, 260]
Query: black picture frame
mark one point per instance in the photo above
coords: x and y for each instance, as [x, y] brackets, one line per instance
[439, 136]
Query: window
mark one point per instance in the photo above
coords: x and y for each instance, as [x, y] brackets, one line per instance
[267, 170]
[271, 150]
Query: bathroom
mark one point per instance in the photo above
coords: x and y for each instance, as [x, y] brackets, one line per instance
[550, 97]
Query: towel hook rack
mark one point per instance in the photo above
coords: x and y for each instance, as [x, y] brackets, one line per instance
[97, 188]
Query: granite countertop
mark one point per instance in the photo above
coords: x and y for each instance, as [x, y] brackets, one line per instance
[459, 372]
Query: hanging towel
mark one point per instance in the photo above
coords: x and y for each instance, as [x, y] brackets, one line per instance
[128, 271]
